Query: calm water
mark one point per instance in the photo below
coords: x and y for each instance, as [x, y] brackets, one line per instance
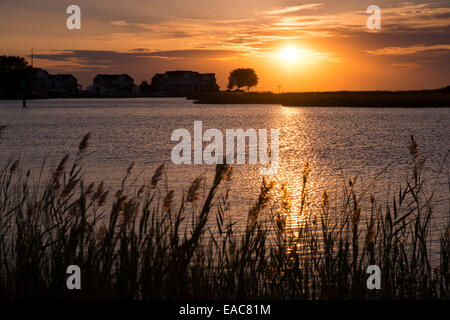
[337, 142]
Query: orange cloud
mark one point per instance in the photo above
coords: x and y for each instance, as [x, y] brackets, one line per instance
[408, 50]
[293, 9]
[411, 65]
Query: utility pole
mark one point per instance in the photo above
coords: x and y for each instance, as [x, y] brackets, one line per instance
[279, 89]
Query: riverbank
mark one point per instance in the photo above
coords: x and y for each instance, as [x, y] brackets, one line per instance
[388, 99]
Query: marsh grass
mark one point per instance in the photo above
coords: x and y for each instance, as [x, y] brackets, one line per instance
[144, 242]
[360, 99]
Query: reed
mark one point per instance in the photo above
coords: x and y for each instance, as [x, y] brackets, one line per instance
[148, 242]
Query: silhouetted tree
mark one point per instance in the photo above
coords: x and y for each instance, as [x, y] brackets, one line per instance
[242, 77]
[11, 63]
[15, 77]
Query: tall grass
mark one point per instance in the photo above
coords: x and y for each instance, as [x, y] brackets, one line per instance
[142, 242]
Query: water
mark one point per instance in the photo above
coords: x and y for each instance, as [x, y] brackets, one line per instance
[338, 143]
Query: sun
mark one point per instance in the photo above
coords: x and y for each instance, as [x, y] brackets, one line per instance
[289, 54]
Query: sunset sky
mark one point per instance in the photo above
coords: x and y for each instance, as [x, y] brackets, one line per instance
[298, 45]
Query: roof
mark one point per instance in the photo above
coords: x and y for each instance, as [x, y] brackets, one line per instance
[66, 76]
[112, 76]
[181, 73]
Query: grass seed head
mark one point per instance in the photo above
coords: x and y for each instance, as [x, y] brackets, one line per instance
[84, 143]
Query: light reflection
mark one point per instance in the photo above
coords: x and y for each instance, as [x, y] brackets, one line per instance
[296, 184]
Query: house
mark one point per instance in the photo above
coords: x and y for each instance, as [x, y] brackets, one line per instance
[49, 85]
[70, 83]
[182, 83]
[112, 85]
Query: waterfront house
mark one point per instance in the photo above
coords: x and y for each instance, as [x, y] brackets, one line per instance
[113, 85]
[182, 83]
[70, 83]
[50, 85]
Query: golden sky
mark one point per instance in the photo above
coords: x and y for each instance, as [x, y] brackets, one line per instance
[298, 45]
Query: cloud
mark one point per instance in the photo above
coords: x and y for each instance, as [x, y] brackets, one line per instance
[409, 65]
[104, 59]
[408, 50]
[293, 9]
[406, 18]
[119, 23]
[426, 23]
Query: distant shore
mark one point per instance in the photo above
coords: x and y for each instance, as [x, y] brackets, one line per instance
[439, 98]
[389, 99]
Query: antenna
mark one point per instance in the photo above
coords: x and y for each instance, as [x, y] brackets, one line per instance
[32, 57]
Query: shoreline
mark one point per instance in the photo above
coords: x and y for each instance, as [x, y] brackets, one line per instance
[366, 99]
